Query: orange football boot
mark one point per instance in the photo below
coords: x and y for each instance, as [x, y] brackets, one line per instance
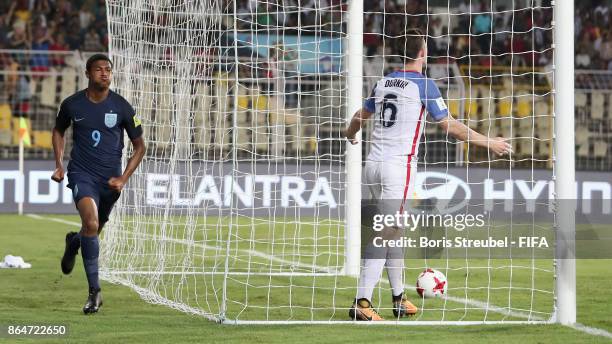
[402, 307]
[362, 310]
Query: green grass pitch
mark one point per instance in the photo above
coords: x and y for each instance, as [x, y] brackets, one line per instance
[42, 295]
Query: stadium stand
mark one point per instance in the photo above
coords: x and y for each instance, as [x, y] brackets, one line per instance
[43, 44]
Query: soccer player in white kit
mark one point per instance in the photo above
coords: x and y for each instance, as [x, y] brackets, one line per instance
[400, 102]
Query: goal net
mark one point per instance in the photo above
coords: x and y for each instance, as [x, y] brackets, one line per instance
[245, 208]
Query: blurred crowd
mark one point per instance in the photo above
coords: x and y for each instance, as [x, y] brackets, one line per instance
[475, 33]
[517, 33]
[593, 34]
[53, 25]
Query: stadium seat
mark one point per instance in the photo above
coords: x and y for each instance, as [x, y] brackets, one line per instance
[583, 150]
[259, 112]
[308, 142]
[525, 126]
[261, 139]
[243, 99]
[202, 130]
[580, 99]
[144, 104]
[163, 110]
[597, 105]
[5, 116]
[471, 108]
[276, 103]
[543, 132]
[222, 133]
[523, 107]
[453, 102]
[600, 149]
[42, 139]
[278, 140]
[597, 98]
[33, 85]
[293, 129]
[221, 93]
[472, 123]
[453, 107]
[489, 128]
[222, 137]
[484, 95]
[541, 108]
[544, 123]
[243, 138]
[68, 85]
[544, 147]
[221, 111]
[259, 102]
[48, 91]
[507, 129]
[204, 97]
[582, 135]
[504, 107]
[280, 135]
[5, 137]
[202, 117]
[526, 147]
[243, 108]
[72, 61]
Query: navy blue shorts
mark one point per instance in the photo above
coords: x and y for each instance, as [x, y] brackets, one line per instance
[84, 185]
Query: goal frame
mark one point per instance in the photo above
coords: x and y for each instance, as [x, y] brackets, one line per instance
[564, 311]
[564, 175]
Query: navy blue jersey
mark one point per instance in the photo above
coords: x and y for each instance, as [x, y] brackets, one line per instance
[97, 132]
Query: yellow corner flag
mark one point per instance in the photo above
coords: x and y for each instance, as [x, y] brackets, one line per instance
[23, 132]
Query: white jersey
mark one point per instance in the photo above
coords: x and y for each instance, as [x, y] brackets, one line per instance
[400, 101]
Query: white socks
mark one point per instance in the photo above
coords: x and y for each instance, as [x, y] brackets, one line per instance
[372, 271]
[369, 277]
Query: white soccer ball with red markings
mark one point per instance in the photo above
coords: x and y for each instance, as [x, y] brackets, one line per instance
[431, 283]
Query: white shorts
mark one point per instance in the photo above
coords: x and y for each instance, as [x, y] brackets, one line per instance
[391, 182]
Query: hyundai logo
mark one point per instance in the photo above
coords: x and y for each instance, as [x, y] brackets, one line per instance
[451, 193]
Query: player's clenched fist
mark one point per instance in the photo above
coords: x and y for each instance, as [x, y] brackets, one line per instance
[116, 183]
[58, 174]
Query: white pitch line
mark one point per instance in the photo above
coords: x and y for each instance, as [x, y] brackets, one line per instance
[483, 305]
[54, 219]
[591, 330]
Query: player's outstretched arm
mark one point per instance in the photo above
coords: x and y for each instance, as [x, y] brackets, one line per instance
[356, 123]
[117, 183]
[59, 142]
[462, 132]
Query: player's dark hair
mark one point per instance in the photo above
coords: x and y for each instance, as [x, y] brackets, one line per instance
[407, 44]
[97, 57]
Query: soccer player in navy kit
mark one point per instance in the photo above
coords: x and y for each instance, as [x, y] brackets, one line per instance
[98, 117]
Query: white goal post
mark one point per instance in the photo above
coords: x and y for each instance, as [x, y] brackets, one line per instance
[565, 168]
[247, 208]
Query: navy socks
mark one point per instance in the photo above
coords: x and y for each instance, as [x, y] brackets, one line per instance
[90, 250]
